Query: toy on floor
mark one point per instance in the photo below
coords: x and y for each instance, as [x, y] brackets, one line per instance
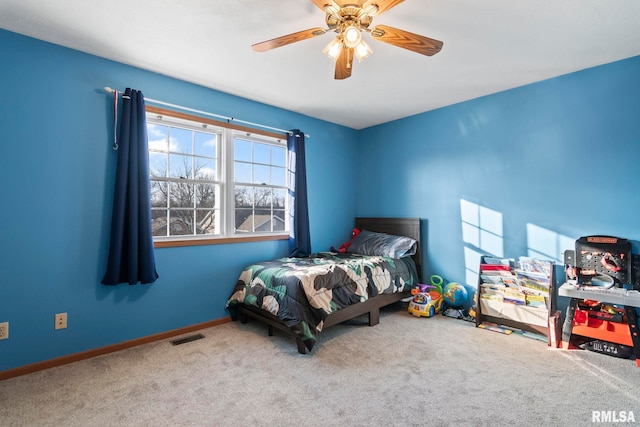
[455, 297]
[508, 330]
[460, 313]
[427, 299]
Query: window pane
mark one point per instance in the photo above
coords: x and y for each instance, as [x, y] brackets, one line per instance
[263, 200]
[159, 194]
[181, 222]
[158, 164]
[157, 137]
[278, 221]
[207, 195]
[244, 221]
[242, 150]
[180, 166]
[205, 144]
[181, 140]
[242, 172]
[205, 169]
[261, 174]
[261, 153]
[279, 176]
[279, 196]
[158, 222]
[278, 156]
[262, 223]
[181, 195]
[243, 196]
[206, 221]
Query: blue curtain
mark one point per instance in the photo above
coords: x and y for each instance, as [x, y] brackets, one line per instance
[299, 237]
[131, 258]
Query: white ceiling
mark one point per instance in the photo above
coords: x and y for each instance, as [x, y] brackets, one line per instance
[489, 46]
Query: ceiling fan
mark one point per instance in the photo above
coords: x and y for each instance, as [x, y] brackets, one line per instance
[349, 19]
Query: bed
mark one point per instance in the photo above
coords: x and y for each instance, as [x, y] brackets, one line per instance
[303, 296]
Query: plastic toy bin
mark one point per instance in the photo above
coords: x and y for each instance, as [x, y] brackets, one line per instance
[605, 330]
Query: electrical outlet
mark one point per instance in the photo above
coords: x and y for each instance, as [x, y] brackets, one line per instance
[4, 331]
[61, 321]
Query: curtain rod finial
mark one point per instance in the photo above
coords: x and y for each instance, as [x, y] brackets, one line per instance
[108, 89]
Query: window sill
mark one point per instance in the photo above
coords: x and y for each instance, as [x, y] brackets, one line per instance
[217, 241]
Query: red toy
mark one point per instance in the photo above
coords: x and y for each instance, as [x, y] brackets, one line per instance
[344, 246]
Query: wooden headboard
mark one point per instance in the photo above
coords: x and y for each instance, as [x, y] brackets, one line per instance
[409, 227]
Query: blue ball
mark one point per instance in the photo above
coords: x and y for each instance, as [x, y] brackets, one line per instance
[455, 295]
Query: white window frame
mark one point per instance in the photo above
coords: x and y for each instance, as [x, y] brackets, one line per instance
[230, 212]
[225, 177]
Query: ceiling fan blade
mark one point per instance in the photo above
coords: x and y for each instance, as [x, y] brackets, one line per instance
[344, 64]
[288, 39]
[406, 40]
[323, 3]
[383, 5]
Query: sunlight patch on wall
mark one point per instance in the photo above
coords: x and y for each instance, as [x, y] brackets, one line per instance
[472, 266]
[482, 228]
[482, 233]
[543, 243]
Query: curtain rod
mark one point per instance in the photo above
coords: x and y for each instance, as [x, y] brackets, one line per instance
[180, 107]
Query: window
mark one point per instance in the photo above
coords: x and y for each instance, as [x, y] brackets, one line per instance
[210, 180]
[260, 188]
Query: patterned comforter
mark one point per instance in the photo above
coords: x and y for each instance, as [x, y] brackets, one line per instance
[302, 292]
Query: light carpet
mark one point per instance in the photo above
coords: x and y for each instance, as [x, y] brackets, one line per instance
[406, 371]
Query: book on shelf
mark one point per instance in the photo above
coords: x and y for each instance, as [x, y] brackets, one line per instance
[533, 286]
[498, 261]
[535, 266]
[492, 297]
[491, 278]
[494, 267]
[536, 301]
[499, 279]
[534, 277]
[514, 296]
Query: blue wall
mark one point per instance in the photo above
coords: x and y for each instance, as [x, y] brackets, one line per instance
[56, 181]
[555, 160]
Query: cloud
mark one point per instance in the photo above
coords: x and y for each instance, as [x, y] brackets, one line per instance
[157, 138]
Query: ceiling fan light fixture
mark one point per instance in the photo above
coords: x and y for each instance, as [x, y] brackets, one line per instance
[333, 49]
[370, 10]
[362, 51]
[352, 36]
[331, 10]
